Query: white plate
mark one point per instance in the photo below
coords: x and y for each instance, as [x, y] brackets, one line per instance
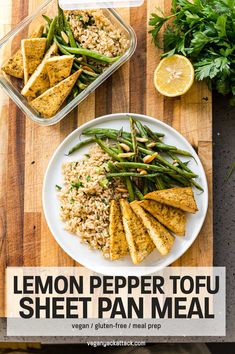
[93, 259]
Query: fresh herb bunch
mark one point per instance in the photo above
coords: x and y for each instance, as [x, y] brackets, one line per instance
[204, 31]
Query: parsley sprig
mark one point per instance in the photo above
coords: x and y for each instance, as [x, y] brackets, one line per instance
[204, 31]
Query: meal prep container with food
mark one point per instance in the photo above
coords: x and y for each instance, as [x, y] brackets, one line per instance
[11, 43]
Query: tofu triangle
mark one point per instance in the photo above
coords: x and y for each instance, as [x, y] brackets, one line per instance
[138, 239]
[50, 101]
[39, 81]
[160, 236]
[174, 219]
[181, 198]
[14, 66]
[59, 68]
[33, 50]
[118, 243]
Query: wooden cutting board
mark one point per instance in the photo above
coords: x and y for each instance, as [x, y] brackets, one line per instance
[26, 147]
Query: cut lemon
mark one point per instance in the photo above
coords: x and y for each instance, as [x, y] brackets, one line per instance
[174, 76]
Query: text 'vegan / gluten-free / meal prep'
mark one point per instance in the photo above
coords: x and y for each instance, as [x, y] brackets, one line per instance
[66, 56]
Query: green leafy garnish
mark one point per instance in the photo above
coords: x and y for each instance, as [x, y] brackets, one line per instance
[88, 178]
[204, 31]
[104, 183]
[77, 184]
[58, 187]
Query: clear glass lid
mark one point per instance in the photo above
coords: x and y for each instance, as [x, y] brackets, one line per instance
[94, 4]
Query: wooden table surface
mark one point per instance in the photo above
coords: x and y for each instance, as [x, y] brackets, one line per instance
[26, 148]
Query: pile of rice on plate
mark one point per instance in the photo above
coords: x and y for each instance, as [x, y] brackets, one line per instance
[85, 198]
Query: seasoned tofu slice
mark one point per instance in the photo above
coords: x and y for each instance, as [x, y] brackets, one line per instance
[118, 243]
[59, 68]
[14, 66]
[33, 51]
[50, 101]
[37, 33]
[174, 219]
[161, 237]
[39, 81]
[181, 198]
[138, 239]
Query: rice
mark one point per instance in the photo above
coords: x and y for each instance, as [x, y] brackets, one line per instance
[85, 198]
[95, 31]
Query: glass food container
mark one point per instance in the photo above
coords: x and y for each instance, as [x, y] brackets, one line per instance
[11, 43]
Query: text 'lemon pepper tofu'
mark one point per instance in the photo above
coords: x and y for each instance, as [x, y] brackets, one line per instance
[118, 243]
[174, 219]
[181, 198]
[138, 239]
[161, 237]
[50, 101]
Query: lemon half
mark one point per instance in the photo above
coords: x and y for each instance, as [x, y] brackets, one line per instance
[174, 76]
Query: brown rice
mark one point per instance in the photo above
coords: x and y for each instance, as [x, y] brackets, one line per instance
[85, 198]
[94, 31]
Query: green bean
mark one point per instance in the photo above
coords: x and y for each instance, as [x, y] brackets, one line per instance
[195, 184]
[112, 135]
[115, 149]
[137, 192]
[169, 180]
[63, 51]
[111, 167]
[97, 70]
[166, 147]
[69, 32]
[181, 163]
[150, 152]
[81, 144]
[76, 62]
[143, 166]
[89, 73]
[183, 152]
[127, 180]
[158, 157]
[145, 189]
[106, 149]
[47, 19]
[60, 18]
[151, 133]
[130, 174]
[116, 157]
[141, 129]
[87, 78]
[51, 32]
[93, 131]
[74, 93]
[97, 131]
[159, 183]
[91, 54]
[62, 41]
[76, 66]
[176, 169]
[133, 138]
[130, 189]
[81, 85]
